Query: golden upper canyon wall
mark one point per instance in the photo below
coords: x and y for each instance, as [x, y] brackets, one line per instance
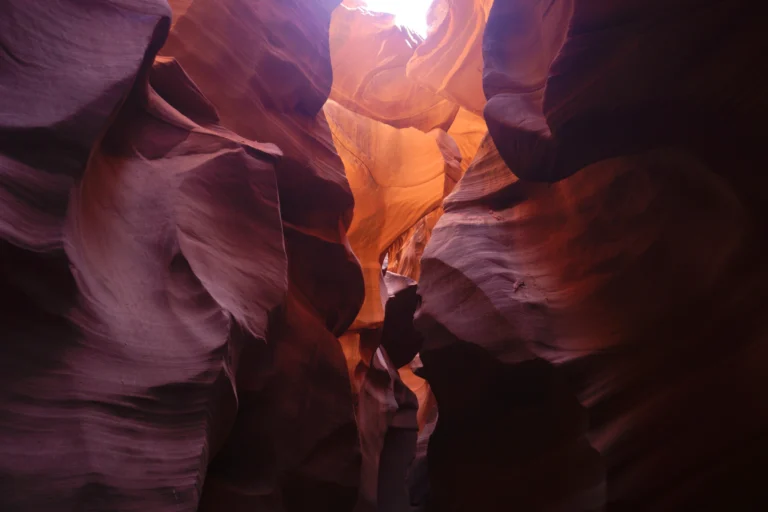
[380, 79]
[397, 177]
[369, 55]
[449, 62]
[404, 143]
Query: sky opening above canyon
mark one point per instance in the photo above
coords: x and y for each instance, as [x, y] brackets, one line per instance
[408, 13]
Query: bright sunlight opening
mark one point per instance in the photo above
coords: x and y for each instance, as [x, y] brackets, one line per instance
[408, 13]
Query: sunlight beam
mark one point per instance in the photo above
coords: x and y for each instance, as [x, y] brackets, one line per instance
[408, 13]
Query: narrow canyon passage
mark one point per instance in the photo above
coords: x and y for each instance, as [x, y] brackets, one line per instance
[383, 256]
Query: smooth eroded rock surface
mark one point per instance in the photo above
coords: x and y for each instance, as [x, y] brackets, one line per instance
[287, 256]
[148, 249]
[119, 341]
[370, 53]
[397, 176]
[449, 62]
[266, 67]
[632, 287]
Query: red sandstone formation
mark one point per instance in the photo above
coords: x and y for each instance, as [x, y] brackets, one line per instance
[370, 54]
[397, 176]
[449, 61]
[149, 240]
[208, 268]
[610, 322]
[294, 441]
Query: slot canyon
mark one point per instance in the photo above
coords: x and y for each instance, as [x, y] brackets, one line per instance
[297, 255]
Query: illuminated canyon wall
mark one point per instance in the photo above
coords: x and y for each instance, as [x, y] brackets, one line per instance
[262, 255]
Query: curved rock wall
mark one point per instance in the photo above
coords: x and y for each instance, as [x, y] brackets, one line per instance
[175, 284]
[370, 54]
[274, 59]
[208, 269]
[616, 311]
[449, 61]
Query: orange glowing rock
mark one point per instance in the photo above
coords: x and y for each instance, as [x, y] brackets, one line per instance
[397, 176]
[369, 55]
[450, 61]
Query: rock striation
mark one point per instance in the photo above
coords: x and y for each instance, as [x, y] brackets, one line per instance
[615, 307]
[370, 54]
[288, 256]
[172, 340]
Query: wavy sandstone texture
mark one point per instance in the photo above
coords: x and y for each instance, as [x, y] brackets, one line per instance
[608, 327]
[148, 251]
[215, 214]
[397, 177]
[449, 63]
[465, 135]
[295, 440]
[369, 55]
